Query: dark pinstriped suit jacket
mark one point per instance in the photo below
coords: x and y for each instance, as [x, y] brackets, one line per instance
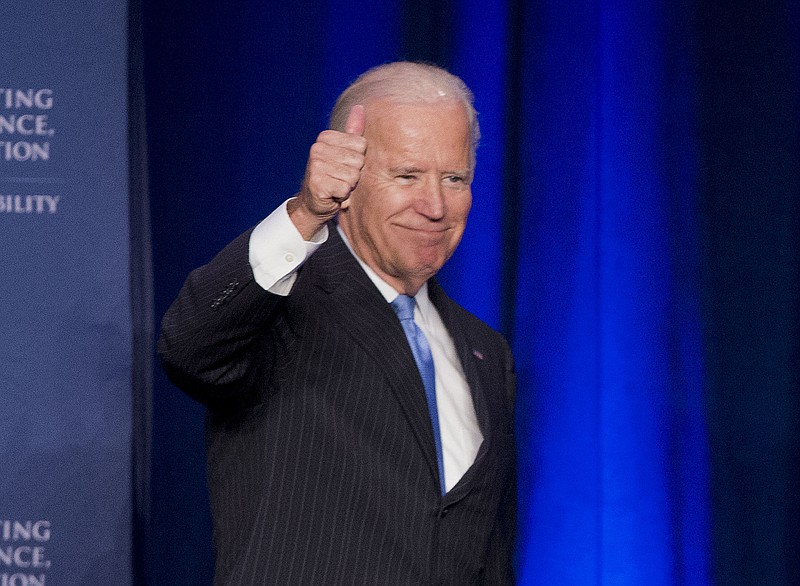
[321, 459]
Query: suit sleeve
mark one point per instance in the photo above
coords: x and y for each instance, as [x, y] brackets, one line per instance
[212, 330]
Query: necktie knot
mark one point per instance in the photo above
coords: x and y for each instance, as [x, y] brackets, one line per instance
[403, 306]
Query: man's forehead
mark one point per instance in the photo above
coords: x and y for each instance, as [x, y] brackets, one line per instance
[412, 134]
[414, 119]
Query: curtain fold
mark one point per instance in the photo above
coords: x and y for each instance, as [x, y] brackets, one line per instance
[607, 324]
[750, 156]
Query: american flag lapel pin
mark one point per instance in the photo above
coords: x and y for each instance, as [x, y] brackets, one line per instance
[477, 354]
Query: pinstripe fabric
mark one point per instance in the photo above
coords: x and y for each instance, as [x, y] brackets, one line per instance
[321, 459]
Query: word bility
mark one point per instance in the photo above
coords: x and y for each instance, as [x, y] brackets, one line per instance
[29, 204]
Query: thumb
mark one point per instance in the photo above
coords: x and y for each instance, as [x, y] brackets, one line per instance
[355, 121]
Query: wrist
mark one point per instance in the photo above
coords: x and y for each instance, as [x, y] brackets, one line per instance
[306, 221]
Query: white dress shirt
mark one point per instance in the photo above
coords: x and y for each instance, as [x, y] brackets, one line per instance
[277, 250]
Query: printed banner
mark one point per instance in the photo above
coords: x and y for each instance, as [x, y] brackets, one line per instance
[65, 325]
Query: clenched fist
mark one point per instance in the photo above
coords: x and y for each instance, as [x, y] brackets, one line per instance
[332, 172]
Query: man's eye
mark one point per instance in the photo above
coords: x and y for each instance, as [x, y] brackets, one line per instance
[455, 179]
[407, 177]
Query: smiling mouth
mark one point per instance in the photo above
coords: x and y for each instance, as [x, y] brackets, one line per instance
[433, 230]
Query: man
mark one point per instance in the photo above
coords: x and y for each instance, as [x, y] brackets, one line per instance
[347, 445]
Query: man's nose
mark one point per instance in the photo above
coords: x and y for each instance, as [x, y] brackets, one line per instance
[430, 202]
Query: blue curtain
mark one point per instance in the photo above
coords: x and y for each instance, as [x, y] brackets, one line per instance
[634, 234]
[607, 330]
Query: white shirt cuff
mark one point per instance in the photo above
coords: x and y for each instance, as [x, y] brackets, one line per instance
[277, 250]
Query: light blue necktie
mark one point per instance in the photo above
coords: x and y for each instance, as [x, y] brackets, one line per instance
[403, 306]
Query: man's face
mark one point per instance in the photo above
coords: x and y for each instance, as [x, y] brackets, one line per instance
[409, 209]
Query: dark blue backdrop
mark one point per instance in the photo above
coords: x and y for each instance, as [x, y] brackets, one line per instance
[634, 234]
[66, 347]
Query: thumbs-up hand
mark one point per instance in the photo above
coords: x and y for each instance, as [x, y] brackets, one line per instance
[332, 173]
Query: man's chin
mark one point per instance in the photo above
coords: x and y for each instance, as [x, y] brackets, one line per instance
[424, 269]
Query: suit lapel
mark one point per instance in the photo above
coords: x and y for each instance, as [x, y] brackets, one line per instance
[358, 307]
